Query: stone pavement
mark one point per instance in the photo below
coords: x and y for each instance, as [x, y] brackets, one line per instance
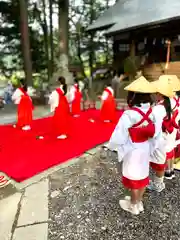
[8, 115]
[80, 201]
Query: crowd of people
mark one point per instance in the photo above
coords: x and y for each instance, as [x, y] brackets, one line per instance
[145, 135]
[64, 103]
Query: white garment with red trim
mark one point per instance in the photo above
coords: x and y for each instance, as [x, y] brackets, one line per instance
[16, 97]
[135, 156]
[171, 138]
[54, 99]
[159, 142]
[106, 94]
[71, 93]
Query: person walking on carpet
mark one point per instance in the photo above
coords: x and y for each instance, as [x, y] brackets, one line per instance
[108, 105]
[75, 97]
[25, 107]
[59, 105]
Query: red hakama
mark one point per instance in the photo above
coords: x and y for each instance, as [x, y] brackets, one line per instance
[61, 118]
[108, 109]
[76, 103]
[25, 108]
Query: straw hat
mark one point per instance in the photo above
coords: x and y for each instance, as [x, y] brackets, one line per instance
[173, 79]
[163, 87]
[141, 85]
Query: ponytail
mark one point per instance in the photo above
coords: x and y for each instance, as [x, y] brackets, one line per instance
[62, 81]
[65, 88]
[167, 105]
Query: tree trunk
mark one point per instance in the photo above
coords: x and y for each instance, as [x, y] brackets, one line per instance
[63, 7]
[91, 47]
[51, 36]
[107, 43]
[46, 40]
[25, 41]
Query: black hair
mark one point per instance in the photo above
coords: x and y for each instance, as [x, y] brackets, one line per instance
[167, 105]
[136, 99]
[77, 82]
[23, 84]
[62, 80]
[178, 93]
[114, 73]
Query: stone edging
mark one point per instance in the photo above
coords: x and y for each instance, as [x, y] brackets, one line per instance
[5, 181]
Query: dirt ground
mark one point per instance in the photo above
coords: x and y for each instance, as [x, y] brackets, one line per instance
[84, 205]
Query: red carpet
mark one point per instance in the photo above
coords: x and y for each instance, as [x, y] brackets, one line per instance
[23, 156]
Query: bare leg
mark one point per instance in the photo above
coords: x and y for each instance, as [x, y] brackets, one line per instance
[169, 165]
[141, 193]
[135, 196]
[172, 164]
[159, 174]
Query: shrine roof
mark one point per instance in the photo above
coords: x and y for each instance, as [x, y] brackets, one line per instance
[130, 14]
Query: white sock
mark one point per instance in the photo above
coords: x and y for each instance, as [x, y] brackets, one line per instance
[158, 180]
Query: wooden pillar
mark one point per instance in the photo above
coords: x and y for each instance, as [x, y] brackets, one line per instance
[133, 49]
[132, 54]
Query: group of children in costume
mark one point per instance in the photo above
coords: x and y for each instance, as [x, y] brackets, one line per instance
[64, 103]
[145, 137]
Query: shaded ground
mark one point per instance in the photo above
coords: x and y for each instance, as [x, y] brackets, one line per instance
[83, 205]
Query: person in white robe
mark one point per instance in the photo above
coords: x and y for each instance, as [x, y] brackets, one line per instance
[74, 98]
[135, 153]
[162, 115]
[166, 142]
[60, 107]
[21, 97]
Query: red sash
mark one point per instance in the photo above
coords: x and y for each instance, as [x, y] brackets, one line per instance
[139, 133]
[108, 91]
[25, 108]
[177, 103]
[76, 104]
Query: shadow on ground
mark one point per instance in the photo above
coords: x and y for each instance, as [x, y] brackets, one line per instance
[84, 205]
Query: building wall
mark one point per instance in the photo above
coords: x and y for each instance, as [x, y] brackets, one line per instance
[153, 71]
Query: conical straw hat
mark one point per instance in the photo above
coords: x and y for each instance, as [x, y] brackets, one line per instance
[141, 85]
[173, 79]
[163, 87]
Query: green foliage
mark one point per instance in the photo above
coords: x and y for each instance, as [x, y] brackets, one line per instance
[85, 50]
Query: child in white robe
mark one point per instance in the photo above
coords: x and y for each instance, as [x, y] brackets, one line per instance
[75, 97]
[25, 107]
[131, 138]
[108, 105]
[162, 114]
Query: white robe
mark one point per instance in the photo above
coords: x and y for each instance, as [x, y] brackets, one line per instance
[159, 142]
[16, 97]
[105, 94]
[135, 156]
[54, 99]
[71, 93]
[171, 138]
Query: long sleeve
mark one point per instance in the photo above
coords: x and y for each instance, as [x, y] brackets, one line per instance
[16, 97]
[53, 100]
[71, 94]
[159, 114]
[120, 136]
[104, 96]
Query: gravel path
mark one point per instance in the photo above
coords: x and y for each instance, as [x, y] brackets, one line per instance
[83, 205]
